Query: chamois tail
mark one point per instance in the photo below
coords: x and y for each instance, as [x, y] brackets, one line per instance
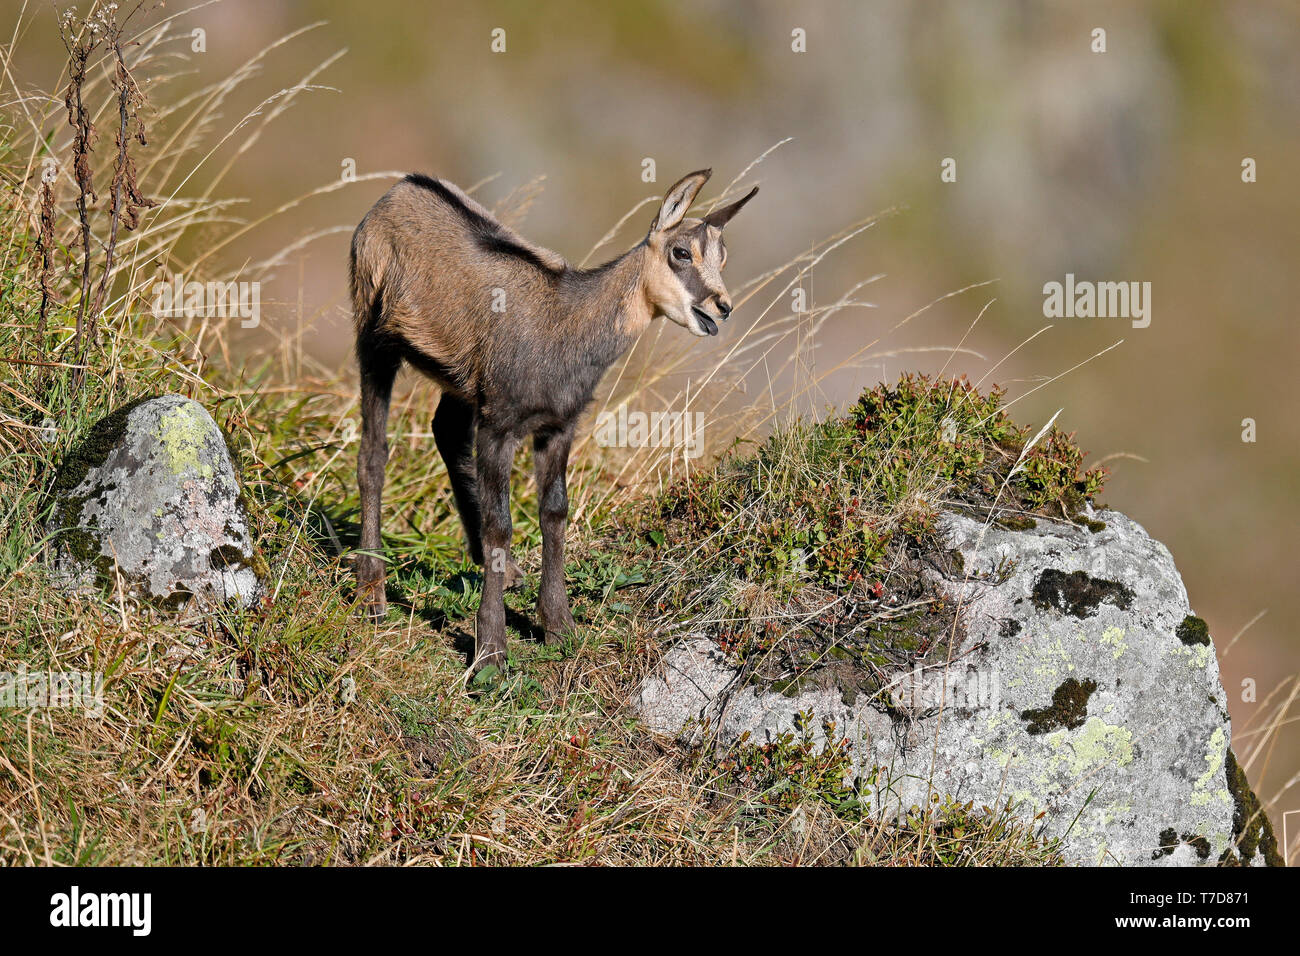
[365, 287]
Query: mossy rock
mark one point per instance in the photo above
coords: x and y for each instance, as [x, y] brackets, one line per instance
[1063, 694]
[151, 495]
[1254, 840]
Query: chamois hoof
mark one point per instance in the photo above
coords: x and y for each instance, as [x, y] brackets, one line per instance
[493, 655]
[374, 602]
[556, 638]
[557, 627]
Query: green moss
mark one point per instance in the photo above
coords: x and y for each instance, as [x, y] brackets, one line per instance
[1069, 708]
[260, 568]
[1193, 631]
[1171, 841]
[1200, 843]
[1251, 828]
[760, 517]
[227, 556]
[93, 450]
[787, 687]
[1016, 523]
[1168, 843]
[1078, 594]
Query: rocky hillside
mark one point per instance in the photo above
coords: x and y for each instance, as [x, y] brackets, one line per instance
[908, 624]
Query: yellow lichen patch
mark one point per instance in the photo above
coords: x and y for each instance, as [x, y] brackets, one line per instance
[1044, 661]
[1216, 750]
[1197, 656]
[1118, 811]
[1114, 637]
[991, 724]
[1096, 744]
[1004, 759]
[181, 433]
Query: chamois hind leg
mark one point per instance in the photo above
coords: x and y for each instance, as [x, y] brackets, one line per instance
[378, 369]
[550, 460]
[453, 432]
[493, 457]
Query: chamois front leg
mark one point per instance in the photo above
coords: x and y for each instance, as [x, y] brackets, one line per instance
[494, 454]
[550, 461]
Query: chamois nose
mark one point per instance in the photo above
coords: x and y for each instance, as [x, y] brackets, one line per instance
[724, 306]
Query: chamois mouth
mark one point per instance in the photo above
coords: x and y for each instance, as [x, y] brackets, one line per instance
[706, 320]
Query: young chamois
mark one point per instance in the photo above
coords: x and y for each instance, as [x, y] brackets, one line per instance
[517, 339]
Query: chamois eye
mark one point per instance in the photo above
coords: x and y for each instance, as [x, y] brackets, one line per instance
[681, 254]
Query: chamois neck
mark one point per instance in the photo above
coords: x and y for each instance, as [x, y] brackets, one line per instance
[608, 302]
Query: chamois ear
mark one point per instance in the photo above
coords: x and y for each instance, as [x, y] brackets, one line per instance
[679, 199]
[720, 217]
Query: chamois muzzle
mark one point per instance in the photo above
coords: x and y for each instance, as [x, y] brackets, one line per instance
[706, 320]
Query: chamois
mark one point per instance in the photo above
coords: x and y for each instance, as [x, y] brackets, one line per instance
[517, 339]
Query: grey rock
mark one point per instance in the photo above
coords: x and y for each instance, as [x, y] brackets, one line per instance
[152, 495]
[1072, 694]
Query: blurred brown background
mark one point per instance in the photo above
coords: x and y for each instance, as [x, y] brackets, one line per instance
[1117, 166]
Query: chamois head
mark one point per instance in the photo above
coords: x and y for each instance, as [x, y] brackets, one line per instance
[684, 273]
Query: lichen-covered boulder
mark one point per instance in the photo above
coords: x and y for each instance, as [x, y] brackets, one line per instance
[151, 495]
[1083, 688]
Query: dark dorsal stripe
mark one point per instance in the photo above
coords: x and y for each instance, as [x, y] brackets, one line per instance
[495, 242]
[486, 231]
